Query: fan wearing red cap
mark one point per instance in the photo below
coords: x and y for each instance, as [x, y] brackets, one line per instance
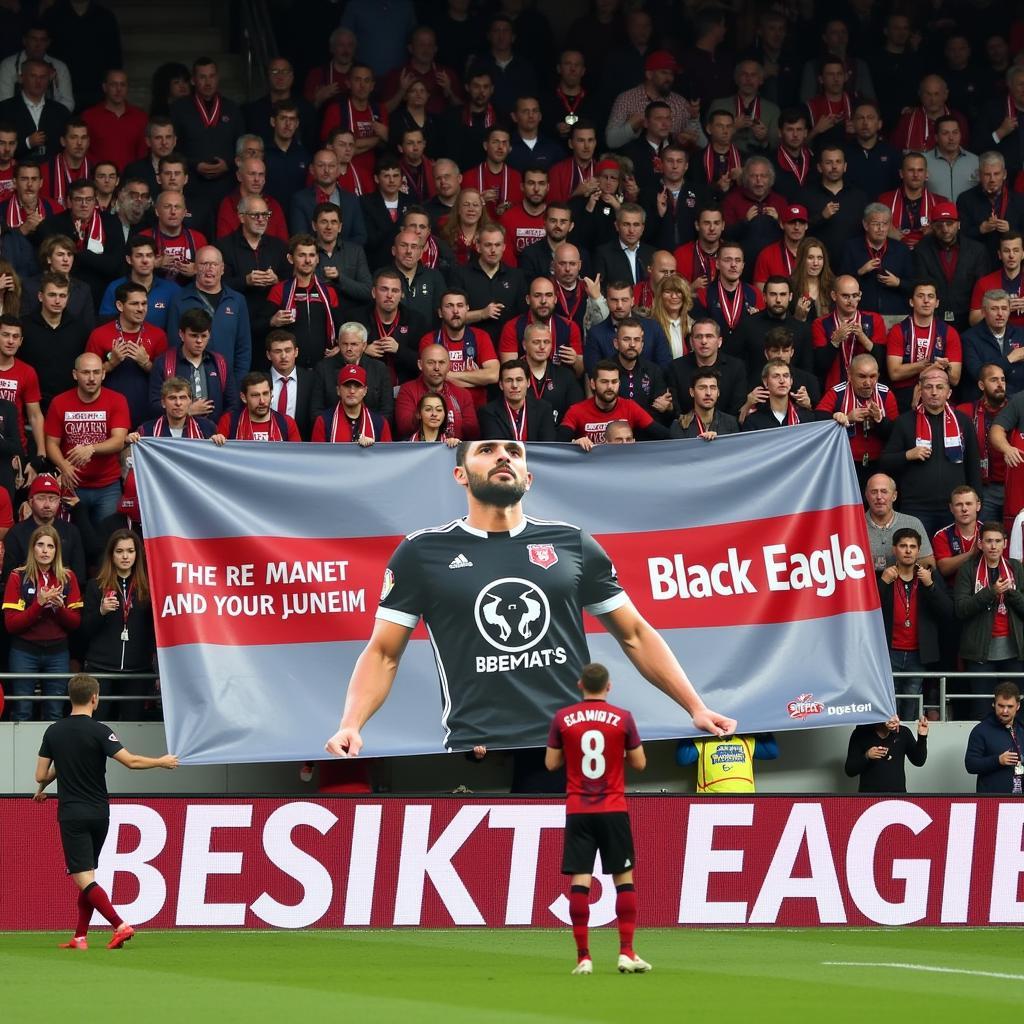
[44, 503]
[954, 261]
[350, 419]
[626, 120]
[779, 258]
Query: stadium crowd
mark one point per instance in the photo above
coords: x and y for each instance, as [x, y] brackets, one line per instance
[673, 220]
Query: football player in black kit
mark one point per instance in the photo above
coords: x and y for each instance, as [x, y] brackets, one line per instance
[74, 751]
[502, 595]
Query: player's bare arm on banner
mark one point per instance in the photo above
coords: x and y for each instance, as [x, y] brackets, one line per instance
[654, 660]
[370, 685]
[139, 762]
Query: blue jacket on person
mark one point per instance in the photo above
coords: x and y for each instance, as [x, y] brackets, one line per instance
[980, 347]
[231, 335]
[161, 295]
[988, 739]
[599, 345]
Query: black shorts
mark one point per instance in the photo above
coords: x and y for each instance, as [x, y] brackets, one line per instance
[587, 834]
[82, 839]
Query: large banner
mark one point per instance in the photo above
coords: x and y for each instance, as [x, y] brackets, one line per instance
[439, 863]
[749, 555]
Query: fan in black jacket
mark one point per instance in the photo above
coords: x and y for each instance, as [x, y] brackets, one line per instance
[117, 622]
[515, 416]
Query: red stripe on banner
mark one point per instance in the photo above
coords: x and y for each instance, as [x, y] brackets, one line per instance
[274, 590]
[758, 572]
[240, 591]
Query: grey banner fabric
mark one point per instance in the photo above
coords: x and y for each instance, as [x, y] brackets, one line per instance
[748, 554]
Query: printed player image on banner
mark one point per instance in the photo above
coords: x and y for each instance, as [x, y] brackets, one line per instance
[270, 565]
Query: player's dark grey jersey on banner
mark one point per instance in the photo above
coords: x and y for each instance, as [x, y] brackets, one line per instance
[504, 614]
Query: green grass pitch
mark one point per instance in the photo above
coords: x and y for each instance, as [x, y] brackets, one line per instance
[485, 976]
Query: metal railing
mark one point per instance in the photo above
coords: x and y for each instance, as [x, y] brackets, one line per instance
[945, 698]
[36, 698]
[259, 46]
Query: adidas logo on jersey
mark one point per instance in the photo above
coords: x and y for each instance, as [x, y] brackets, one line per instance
[460, 561]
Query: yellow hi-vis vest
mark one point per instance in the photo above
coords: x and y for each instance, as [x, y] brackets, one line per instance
[725, 765]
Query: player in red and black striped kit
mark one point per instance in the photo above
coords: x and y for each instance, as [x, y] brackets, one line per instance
[595, 740]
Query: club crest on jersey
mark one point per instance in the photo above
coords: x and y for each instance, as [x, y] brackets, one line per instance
[543, 555]
[512, 614]
[388, 584]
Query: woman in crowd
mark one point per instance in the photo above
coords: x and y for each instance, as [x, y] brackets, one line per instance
[467, 220]
[813, 281]
[171, 82]
[413, 114]
[117, 622]
[57, 253]
[10, 289]
[42, 608]
[673, 301]
[432, 420]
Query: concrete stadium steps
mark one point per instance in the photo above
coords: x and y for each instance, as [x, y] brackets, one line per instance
[155, 33]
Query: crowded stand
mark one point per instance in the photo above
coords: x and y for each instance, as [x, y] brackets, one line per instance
[455, 222]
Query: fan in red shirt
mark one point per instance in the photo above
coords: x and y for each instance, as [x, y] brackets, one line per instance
[524, 222]
[584, 423]
[176, 245]
[8, 144]
[500, 185]
[70, 164]
[128, 345]
[913, 206]
[116, 128]
[982, 412]
[19, 382]
[566, 334]
[575, 176]
[473, 363]
[252, 183]
[779, 258]
[919, 341]
[866, 409]
[86, 429]
[595, 740]
[846, 332]
[961, 539]
[697, 261]
[256, 420]
[1008, 277]
[368, 121]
